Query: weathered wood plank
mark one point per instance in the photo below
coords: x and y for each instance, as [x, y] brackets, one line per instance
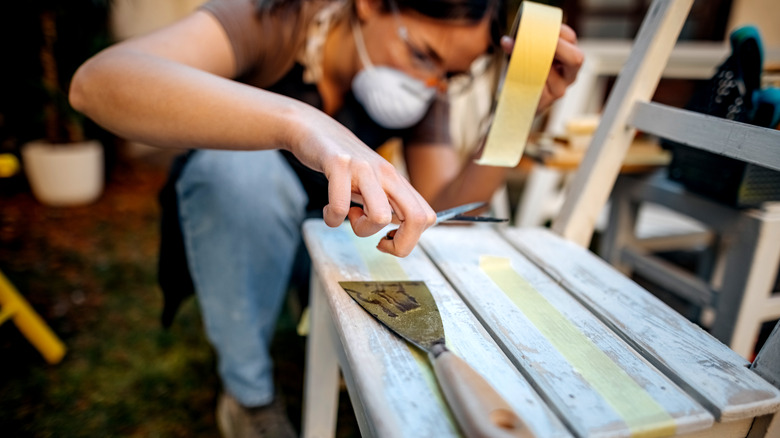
[589, 190]
[321, 382]
[712, 373]
[734, 429]
[744, 142]
[563, 372]
[396, 387]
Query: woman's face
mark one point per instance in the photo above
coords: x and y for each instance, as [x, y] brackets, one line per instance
[428, 49]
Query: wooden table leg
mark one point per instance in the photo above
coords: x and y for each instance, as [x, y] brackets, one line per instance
[321, 381]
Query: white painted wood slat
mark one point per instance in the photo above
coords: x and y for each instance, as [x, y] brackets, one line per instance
[587, 193]
[588, 410]
[395, 389]
[711, 372]
[744, 142]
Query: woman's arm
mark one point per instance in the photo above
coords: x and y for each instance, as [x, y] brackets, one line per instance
[172, 88]
[435, 169]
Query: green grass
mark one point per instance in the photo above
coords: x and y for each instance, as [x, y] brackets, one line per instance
[123, 375]
[91, 273]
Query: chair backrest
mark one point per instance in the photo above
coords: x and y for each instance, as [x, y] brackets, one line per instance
[628, 108]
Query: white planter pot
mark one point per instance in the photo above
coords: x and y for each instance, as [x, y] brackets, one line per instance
[64, 175]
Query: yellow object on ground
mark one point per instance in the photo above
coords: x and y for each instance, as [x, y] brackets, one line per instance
[9, 165]
[32, 326]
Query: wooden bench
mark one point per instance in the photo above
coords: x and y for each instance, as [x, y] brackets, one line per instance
[574, 346]
[578, 350]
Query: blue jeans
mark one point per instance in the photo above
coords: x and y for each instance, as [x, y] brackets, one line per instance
[241, 216]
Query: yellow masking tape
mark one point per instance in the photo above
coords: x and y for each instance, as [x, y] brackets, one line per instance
[529, 65]
[641, 413]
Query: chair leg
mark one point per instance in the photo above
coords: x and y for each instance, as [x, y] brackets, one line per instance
[321, 382]
[766, 366]
[540, 187]
[621, 228]
[32, 326]
[751, 266]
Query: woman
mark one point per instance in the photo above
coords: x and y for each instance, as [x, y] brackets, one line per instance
[317, 85]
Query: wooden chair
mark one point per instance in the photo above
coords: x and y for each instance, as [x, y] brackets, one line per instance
[15, 308]
[730, 291]
[574, 346]
[735, 280]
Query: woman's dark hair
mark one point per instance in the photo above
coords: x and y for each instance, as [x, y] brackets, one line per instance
[466, 10]
[457, 10]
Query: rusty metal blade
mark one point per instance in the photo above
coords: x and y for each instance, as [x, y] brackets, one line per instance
[406, 307]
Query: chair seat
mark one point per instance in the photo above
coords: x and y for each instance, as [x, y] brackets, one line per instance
[391, 384]
[714, 374]
[656, 221]
[604, 358]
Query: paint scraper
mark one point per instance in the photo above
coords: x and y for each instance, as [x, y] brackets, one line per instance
[410, 311]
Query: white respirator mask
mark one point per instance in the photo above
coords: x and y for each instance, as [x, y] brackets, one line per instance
[391, 98]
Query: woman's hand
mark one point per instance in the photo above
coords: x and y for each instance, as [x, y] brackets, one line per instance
[566, 63]
[189, 101]
[357, 173]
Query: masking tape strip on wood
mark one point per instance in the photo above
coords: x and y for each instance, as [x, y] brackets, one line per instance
[384, 267]
[643, 415]
[529, 65]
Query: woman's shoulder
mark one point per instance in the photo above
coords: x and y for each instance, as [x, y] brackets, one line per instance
[266, 35]
[291, 14]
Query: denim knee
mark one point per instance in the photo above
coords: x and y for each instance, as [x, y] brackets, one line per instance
[241, 214]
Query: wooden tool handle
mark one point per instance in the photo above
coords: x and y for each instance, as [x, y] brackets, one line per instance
[478, 408]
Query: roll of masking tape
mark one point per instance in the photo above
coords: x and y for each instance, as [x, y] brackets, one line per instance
[535, 43]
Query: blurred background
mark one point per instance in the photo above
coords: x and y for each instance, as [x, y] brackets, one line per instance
[86, 260]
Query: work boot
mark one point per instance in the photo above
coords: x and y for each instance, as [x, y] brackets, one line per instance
[237, 421]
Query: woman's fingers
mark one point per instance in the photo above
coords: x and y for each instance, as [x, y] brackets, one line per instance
[339, 191]
[354, 171]
[411, 211]
[376, 212]
[418, 217]
[507, 44]
[569, 57]
[386, 197]
[362, 223]
[566, 62]
[568, 34]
